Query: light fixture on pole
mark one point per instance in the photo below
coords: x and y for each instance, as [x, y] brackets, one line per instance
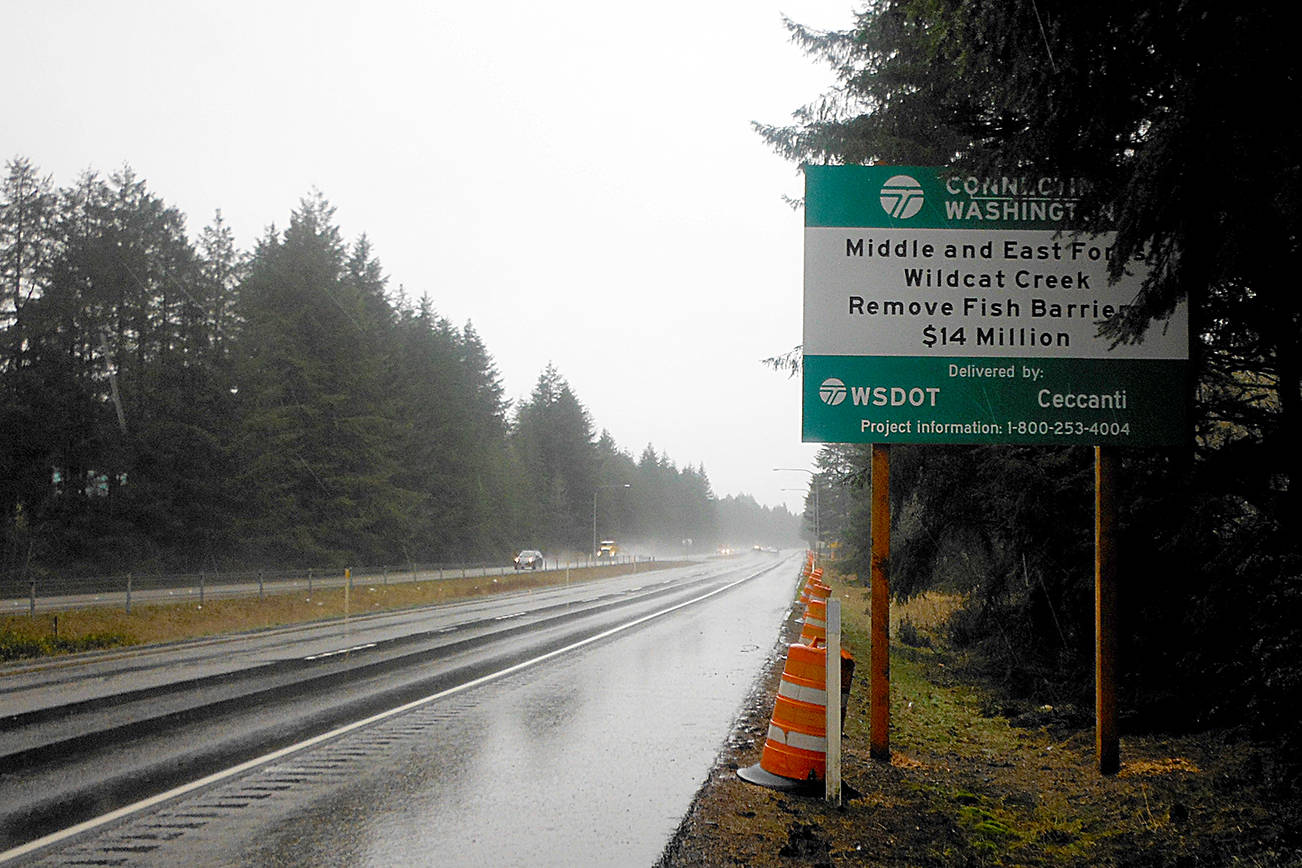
[813, 481]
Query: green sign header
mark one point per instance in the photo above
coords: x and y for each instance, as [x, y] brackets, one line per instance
[918, 197]
[946, 308]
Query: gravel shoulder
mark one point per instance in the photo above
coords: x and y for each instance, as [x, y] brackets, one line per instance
[973, 781]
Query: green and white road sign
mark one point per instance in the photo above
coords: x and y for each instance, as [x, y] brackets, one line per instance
[941, 308]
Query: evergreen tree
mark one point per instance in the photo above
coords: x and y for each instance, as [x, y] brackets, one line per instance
[1139, 102]
[426, 359]
[617, 494]
[117, 448]
[221, 269]
[698, 518]
[652, 498]
[553, 440]
[170, 404]
[742, 519]
[486, 463]
[454, 428]
[319, 448]
[28, 241]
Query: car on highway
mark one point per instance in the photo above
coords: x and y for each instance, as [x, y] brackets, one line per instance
[529, 559]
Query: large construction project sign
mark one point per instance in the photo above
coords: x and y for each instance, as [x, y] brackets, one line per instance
[945, 308]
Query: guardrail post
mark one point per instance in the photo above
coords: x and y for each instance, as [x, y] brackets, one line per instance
[31, 608]
[259, 584]
[128, 593]
[309, 583]
[201, 577]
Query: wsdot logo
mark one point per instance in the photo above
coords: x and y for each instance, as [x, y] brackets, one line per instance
[901, 197]
[832, 391]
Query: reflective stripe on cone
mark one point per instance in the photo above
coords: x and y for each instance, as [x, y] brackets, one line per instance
[795, 747]
[815, 623]
[815, 589]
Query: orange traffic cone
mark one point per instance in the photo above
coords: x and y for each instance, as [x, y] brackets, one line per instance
[795, 751]
[815, 589]
[814, 621]
[815, 581]
[814, 628]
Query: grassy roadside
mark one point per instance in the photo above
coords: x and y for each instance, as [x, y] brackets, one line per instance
[49, 634]
[969, 786]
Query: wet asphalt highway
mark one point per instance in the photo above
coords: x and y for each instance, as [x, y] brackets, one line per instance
[590, 757]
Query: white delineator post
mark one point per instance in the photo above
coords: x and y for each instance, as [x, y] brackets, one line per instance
[832, 681]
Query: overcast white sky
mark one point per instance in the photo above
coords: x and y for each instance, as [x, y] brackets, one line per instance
[577, 179]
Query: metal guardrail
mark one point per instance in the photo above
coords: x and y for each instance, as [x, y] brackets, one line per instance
[45, 594]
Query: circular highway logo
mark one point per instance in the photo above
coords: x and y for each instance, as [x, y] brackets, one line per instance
[901, 197]
[832, 391]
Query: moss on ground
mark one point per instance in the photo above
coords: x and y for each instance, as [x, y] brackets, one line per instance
[969, 785]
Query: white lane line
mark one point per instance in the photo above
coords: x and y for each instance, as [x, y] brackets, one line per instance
[340, 651]
[217, 777]
[510, 616]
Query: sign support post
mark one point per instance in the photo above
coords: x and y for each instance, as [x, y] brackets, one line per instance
[942, 307]
[879, 675]
[1106, 743]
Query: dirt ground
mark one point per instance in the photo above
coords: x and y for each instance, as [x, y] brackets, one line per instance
[969, 784]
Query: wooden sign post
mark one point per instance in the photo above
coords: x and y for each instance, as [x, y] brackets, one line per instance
[1106, 744]
[932, 315]
[879, 670]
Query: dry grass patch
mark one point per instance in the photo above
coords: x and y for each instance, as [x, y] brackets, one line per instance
[47, 634]
[966, 787]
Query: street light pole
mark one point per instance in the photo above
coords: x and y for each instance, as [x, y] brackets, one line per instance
[813, 481]
[594, 512]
